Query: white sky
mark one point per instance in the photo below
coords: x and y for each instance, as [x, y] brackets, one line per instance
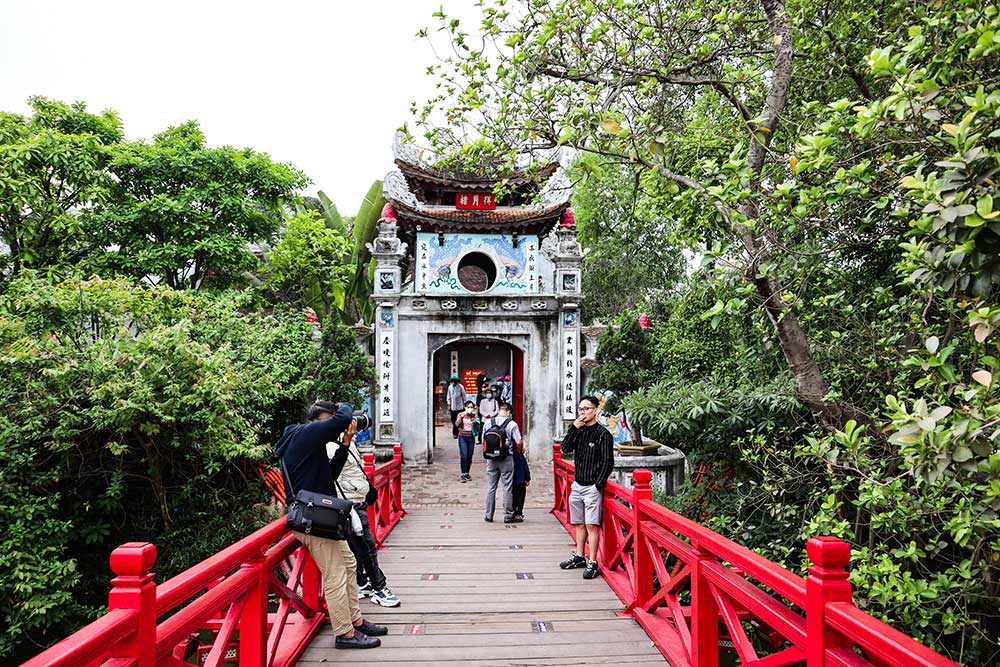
[320, 84]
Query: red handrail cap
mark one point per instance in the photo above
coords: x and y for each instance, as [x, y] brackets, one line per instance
[133, 559]
[831, 553]
[642, 476]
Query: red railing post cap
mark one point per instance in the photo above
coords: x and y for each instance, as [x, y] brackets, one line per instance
[642, 476]
[829, 553]
[557, 446]
[369, 457]
[133, 559]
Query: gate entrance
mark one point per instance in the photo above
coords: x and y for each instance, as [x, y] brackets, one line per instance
[478, 363]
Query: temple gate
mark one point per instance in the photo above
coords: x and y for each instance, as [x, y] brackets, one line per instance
[469, 283]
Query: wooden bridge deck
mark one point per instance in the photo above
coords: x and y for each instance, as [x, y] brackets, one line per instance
[485, 594]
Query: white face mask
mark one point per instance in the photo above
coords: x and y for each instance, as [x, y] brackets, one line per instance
[490, 395]
[470, 410]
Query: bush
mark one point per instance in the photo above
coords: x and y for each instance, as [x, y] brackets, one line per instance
[139, 413]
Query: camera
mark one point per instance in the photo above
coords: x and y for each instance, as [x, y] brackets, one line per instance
[361, 420]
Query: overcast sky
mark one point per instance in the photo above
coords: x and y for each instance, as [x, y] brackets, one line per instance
[321, 84]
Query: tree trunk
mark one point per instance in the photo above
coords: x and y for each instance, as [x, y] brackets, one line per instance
[810, 385]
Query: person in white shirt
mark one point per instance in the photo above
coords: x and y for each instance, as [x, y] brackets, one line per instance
[456, 401]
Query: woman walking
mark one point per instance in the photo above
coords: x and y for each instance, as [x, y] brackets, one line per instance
[465, 423]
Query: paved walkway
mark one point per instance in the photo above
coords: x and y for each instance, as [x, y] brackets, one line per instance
[487, 594]
[437, 485]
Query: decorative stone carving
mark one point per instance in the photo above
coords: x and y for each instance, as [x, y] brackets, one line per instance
[419, 304]
[510, 304]
[449, 304]
[480, 305]
[406, 149]
[394, 186]
[540, 304]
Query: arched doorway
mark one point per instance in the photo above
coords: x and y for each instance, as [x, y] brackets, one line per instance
[469, 357]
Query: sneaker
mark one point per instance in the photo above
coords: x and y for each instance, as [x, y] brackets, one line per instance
[488, 519]
[574, 561]
[385, 598]
[512, 519]
[371, 629]
[365, 591]
[591, 571]
[463, 479]
[359, 640]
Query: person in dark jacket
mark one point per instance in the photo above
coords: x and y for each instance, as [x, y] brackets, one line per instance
[593, 461]
[522, 478]
[305, 466]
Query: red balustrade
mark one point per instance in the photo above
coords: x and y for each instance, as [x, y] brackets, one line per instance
[387, 479]
[693, 590]
[257, 603]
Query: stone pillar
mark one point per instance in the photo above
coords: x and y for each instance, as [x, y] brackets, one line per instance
[388, 252]
[567, 258]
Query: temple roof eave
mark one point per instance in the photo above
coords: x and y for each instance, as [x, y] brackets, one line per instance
[437, 178]
[520, 220]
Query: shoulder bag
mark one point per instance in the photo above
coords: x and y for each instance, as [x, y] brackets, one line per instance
[318, 514]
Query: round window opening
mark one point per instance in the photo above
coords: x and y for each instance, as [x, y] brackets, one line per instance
[477, 272]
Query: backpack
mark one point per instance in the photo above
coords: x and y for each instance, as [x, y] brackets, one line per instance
[495, 446]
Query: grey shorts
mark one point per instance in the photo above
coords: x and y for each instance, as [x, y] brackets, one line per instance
[585, 505]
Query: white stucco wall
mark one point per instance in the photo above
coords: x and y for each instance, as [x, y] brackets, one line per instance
[421, 334]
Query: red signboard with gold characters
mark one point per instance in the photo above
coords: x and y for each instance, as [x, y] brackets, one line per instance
[477, 201]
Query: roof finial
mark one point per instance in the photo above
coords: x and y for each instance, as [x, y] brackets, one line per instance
[388, 213]
[567, 219]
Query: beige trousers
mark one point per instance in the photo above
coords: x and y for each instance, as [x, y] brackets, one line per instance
[340, 582]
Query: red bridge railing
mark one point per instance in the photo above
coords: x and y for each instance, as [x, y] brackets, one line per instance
[256, 603]
[689, 588]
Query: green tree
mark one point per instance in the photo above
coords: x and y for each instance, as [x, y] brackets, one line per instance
[309, 264]
[632, 259]
[624, 366]
[186, 214]
[139, 413]
[52, 168]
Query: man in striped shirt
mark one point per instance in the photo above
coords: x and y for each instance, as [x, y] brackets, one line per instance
[593, 461]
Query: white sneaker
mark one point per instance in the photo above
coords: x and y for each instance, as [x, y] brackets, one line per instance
[365, 591]
[385, 598]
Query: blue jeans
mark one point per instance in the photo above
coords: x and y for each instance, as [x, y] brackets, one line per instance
[466, 445]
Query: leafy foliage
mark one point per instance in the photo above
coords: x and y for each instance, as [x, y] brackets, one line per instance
[831, 360]
[139, 413]
[184, 213]
[52, 165]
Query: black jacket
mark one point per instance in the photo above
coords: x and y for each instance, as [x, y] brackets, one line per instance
[302, 447]
[595, 453]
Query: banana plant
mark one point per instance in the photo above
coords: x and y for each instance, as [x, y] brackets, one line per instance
[353, 298]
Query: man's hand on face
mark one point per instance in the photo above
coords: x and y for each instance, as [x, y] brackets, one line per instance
[580, 421]
[352, 428]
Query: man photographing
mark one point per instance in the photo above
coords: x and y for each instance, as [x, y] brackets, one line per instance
[302, 450]
[593, 462]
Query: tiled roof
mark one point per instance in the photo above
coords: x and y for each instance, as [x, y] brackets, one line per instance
[440, 178]
[522, 220]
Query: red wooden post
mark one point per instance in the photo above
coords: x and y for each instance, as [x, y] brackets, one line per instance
[827, 582]
[397, 480]
[369, 466]
[134, 588]
[312, 581]
[556, 479]
[704, 613]
[253, 618]
[641, 492]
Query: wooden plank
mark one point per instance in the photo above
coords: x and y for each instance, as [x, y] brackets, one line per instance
[477, 612]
